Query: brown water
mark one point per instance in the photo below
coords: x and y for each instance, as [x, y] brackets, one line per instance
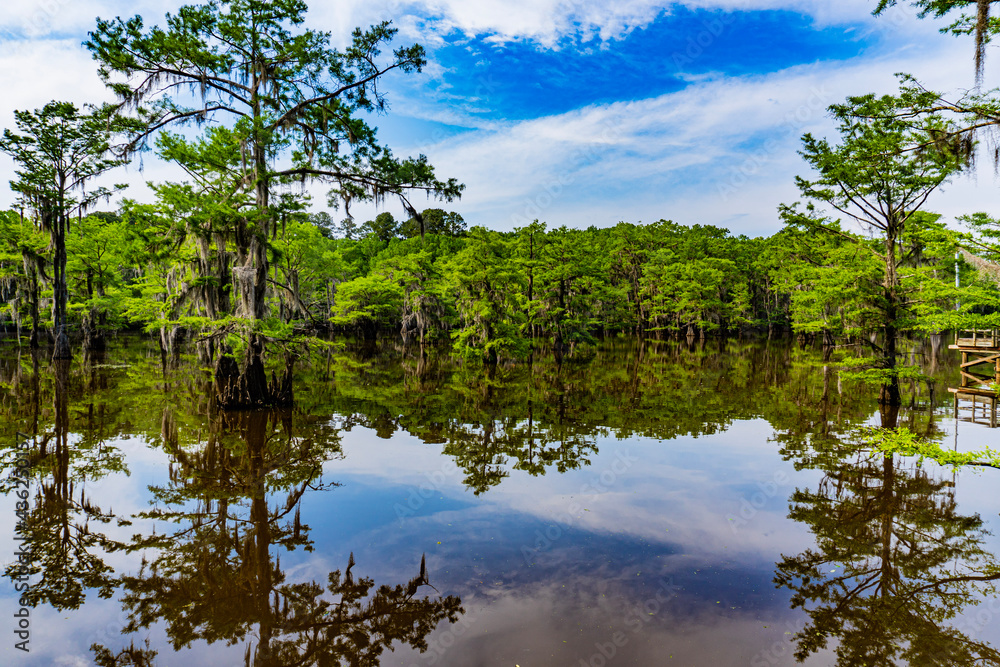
[659, 504]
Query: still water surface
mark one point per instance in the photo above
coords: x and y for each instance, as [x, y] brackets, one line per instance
[659, 504]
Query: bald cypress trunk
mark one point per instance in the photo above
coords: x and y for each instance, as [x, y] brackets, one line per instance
[889, 394]
[246, 385]
[60, 291]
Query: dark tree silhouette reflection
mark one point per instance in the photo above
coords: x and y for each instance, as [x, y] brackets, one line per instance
[214, 577]
[894, 562]
[62, 541]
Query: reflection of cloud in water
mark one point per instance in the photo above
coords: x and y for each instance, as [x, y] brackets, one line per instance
[559, 625]
[659, 524]
[485, 552]
[582, 585]
[684, 490]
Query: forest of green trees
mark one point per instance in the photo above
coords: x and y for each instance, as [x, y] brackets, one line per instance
[235, 258]
[243, 279]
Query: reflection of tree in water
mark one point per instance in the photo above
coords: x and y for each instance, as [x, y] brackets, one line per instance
[490, 420]
[59, 528]
[130, 656]
[542, 416]
[214, 577]
[894, 561]
[492, 440]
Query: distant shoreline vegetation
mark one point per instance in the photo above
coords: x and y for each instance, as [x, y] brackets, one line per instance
[231, 258]
[494, 295]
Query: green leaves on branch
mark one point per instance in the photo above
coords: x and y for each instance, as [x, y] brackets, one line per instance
[905, 442]
[368, 302]
[296, 100]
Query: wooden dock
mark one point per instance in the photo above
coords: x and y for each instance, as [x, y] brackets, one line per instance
[976, 406]
[978, 347]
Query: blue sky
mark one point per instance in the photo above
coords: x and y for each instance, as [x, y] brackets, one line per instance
[519, 80]
[575, 112]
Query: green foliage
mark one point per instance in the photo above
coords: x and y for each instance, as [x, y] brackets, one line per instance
[59, 150]
[307, 264]
[877, 375]
[878, 179]
[489, 295]
[384, 227]
[435, 221]
[693, 281]
[23, 253]
[907, 443]
[312, 100]
[368, 302]
[297, 103]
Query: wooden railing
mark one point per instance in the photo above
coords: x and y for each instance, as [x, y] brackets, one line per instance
[980, 338]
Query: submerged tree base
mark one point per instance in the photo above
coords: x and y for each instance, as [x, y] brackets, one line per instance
[239, 387]
[889, 394]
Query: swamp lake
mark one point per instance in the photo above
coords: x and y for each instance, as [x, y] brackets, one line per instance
[660, 503]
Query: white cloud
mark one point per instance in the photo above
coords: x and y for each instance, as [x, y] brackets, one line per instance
[694, 156]
[34, 19]
[36, 72]
[722, 151]
[547, 22]
[543, 21]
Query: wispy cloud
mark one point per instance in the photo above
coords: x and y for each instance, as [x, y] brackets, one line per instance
[720, 149]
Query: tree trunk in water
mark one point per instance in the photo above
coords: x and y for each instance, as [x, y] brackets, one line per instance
[937, 342]
[61, 350]
[244, 386]
[889, 415]
[93, 333]
[889, 574]
[60, 474]
[33, 341]
[206, 351]
[170, 345]
[260, 555]
[889, 394]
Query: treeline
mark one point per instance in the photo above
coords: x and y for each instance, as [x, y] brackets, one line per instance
[494, 295]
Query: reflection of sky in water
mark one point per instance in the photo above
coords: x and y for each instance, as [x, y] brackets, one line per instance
[660, 552]
[546, 583]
